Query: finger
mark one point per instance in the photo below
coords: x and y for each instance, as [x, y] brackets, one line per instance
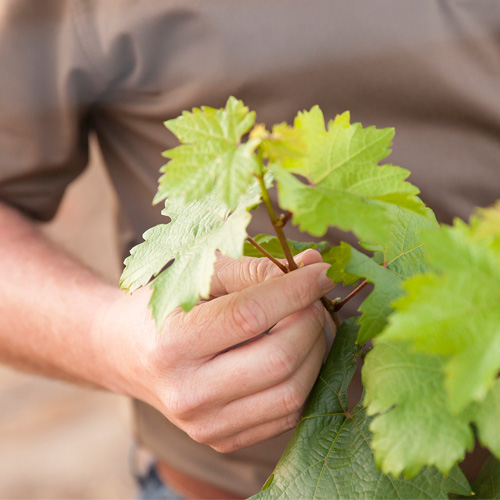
[284, 399]
[228, 320]
[256, 435]
[264, 363]
[232, 275]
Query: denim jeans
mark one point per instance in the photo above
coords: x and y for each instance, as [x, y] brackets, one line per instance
[151, 487]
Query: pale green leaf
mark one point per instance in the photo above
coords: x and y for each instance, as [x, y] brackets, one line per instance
[330, 456]
[196, 231]
[211, 158]
[284, 143]
[345, 185]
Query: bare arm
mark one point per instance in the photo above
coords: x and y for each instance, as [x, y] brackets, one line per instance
[57, 318]
[49, 305]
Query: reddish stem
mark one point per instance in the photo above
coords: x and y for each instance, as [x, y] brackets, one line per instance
[343, 302]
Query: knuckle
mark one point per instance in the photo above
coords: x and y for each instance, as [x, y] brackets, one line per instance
[172, 347]
[247, 315]
[292, 420]
[281, 363]
[292, 399]
[181, 405]
[316, 315]
[199, 433]
[225, 447]
[256, 270]
[264, 269]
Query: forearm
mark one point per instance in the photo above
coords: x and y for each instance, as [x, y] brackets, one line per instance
[49, 306]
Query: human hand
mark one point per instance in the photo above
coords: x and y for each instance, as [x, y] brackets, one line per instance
[228, 399]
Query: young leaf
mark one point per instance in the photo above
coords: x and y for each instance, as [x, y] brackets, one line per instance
[196, 231]
[272, 245]
[453, 311]
[283, 143]
[339, 258]
[211, 158]
[330, 456]
[346, 186]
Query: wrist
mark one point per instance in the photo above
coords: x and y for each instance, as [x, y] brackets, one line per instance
[121, 332]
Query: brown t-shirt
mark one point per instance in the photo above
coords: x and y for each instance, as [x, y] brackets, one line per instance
[121, 67]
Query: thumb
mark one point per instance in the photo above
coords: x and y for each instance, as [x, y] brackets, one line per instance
[233, 275]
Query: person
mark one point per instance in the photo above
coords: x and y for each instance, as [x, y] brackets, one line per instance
[119, 69]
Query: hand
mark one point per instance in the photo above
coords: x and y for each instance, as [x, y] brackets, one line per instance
[237, 398]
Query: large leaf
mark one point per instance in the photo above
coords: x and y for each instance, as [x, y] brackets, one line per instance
[212, 158]
[454, 310]
[196, 231]
[346, 187]
[330, 454]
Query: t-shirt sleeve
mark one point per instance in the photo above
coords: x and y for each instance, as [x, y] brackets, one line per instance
[46, 91]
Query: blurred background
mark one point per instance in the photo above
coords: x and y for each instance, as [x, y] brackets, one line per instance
[59, 441]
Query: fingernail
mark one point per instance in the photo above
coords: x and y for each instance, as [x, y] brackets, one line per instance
[324, 282]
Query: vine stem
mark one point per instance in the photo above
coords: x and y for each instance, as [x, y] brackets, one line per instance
[264, 252]
[278, 228]
[344, 301]
[285, 218]
[277, 224]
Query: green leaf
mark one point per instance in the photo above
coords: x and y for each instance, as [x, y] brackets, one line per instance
[403, 253]
[487, 419]
[486, 223]
[330, 453]
[272, 245]
[311, 127]
[345, 186]
[339, 258]
[453, 310]
[376, 308]
[196, 231]
[284, 143]
[212, 158]
[415, 426]
[403, 250]
[487, 484]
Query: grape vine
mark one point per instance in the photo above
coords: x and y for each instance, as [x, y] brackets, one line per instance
[431, 378]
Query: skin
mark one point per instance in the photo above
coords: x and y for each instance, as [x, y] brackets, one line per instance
[59, 319]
